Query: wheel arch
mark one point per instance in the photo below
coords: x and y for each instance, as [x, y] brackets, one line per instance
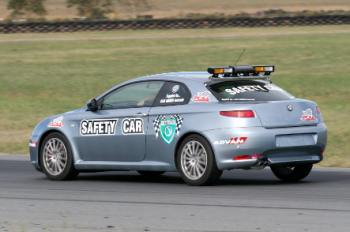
[184, 136]
[42, 138]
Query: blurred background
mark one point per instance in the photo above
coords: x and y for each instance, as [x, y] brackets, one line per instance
[57, 54]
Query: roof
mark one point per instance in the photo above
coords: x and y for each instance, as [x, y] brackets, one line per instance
[178, 76]
[192, 78]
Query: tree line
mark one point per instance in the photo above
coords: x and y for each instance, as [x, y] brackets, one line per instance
[91, 9]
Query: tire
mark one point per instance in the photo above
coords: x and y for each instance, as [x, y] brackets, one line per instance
[151, 173]
[292, 173]
[56, 158]
[196, 162]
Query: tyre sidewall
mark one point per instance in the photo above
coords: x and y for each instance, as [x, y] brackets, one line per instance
[211, 173]
[69, 170]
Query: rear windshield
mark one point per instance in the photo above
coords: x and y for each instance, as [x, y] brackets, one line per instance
[248, 90]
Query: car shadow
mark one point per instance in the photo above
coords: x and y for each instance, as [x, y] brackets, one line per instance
[129, 177]
[256, 182]
[173, 178]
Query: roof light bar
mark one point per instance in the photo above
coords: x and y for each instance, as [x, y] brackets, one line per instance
[242, 70]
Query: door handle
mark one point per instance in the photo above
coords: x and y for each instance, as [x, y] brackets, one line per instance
[140, 114]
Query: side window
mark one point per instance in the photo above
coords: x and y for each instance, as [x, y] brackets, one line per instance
[173, 93]
[141, 94]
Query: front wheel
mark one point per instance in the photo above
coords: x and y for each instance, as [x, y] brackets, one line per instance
[292, 173]
[196, 161]
[56, 158]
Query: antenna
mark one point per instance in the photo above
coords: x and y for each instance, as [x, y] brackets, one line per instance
[240, 56]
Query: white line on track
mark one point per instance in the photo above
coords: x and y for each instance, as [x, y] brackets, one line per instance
[160, 35]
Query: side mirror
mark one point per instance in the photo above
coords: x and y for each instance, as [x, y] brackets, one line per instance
[92, 105]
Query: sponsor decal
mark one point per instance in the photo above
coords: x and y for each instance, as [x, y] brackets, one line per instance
[173, 97]
[201, 97]
[233, 140]
[167, 126]
[307, 115]
[175, 88]
[132, 126]
[56, 122]
[245, 88]
[96, 127]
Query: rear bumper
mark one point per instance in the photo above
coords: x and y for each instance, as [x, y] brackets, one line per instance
[294, 160]
[267, 161]
[294, 155]
[266, 149]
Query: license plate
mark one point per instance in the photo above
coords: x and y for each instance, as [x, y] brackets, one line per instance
[296, 140]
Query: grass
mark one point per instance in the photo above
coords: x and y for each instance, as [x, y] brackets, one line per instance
[165, 8]
[45, 74]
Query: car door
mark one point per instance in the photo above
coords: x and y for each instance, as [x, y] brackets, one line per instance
[167, 116]
[117, 131]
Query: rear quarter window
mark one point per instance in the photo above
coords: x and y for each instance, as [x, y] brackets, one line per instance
[248, 90]
[173, 93]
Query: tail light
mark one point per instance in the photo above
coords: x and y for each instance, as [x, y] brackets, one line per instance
[318, 114]
[238, 113]
[242, 157]
[247, 157]
[318, 111]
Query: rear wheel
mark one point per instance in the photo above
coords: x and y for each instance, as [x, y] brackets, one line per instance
[196, 161]
[56, 158]
[292, 173]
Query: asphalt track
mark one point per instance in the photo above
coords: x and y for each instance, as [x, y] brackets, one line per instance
[125, 201]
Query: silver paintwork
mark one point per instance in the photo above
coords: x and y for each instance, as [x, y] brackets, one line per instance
[147, 152]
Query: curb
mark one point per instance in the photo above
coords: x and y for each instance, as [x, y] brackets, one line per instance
[14, 157]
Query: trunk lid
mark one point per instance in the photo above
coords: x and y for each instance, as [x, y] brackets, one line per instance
[289, 113]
